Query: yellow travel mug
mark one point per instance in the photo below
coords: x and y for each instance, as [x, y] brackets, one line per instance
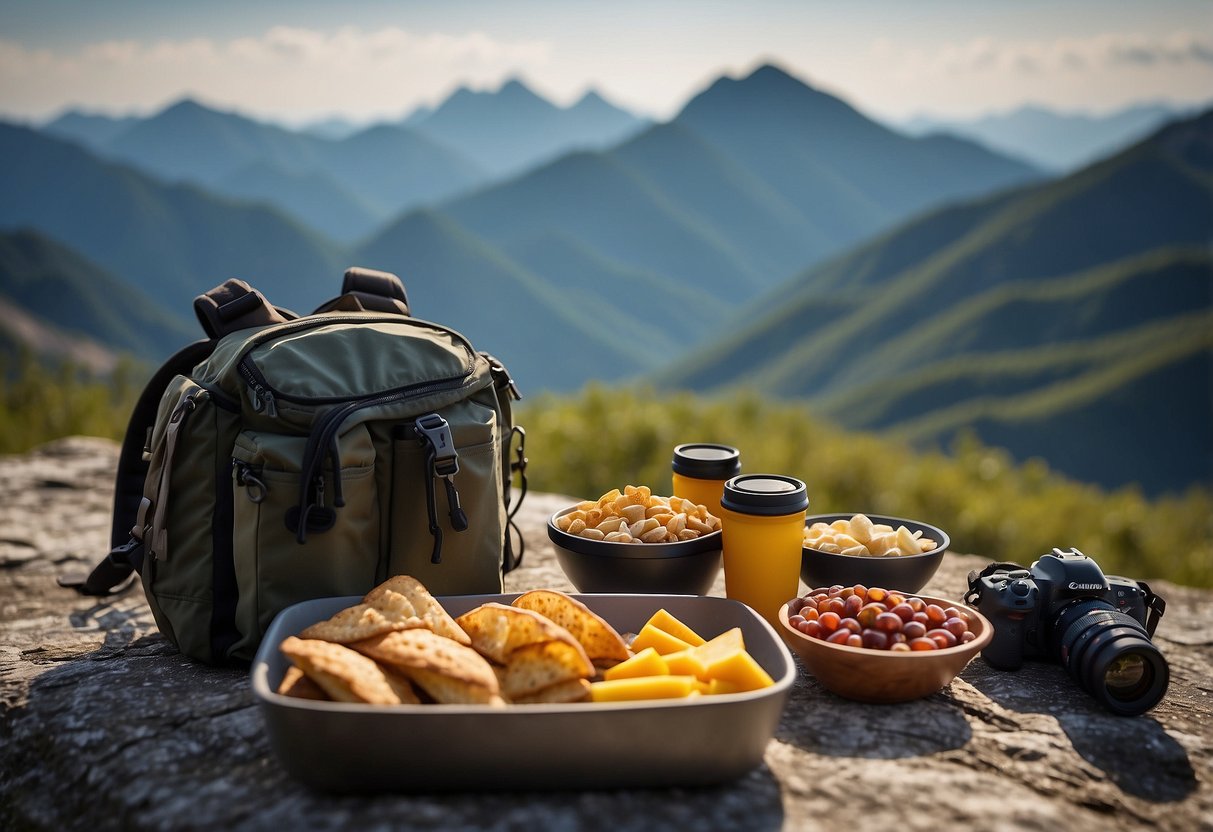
[700, 472]
[763, 536]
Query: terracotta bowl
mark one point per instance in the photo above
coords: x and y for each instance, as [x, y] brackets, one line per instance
[882, 677]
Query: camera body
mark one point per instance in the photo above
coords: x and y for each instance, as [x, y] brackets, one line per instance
[1065, 610]
[1024, 604]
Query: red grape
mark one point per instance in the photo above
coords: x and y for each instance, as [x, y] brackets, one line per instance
[875, 639]
[914, 629]
[903, 611]
[943, 638]
[829, 621]
[888, 622]
[840, 636]
[956, 627]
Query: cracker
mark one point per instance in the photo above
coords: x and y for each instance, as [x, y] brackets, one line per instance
[498, 630]
[574, 690]
[344, 674]
[297, 684]
[601, 641]
[399, 603]
[448, 691]
[404, 598]
[534, 667]
[413, 650]
[400, 684]
[356, 623]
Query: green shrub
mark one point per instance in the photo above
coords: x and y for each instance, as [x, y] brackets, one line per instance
[603, 438]
[43, 401]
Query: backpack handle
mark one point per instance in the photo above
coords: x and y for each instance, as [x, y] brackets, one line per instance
[369, 290]
[234, 305]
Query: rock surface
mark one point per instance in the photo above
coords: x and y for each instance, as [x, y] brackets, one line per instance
[104, 726]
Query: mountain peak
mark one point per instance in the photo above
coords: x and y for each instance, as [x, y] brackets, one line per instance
[772, 74]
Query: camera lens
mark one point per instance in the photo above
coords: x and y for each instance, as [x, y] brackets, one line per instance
[1111, 657]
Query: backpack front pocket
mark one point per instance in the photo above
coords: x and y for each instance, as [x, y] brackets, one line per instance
[469, 560]
[341, 552]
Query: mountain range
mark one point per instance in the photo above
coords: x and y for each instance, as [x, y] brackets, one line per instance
[1053, 140]
[770, 236]
[342, 181]
[1081, 307]
[643, 249]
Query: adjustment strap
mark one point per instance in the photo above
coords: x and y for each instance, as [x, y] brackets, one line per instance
[517, 466]
[235, 305]
[441, 462]
[113, 574]
[1155, 607]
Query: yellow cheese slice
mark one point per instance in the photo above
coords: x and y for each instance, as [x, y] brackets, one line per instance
[686, 663]
[721, 686]
[740, 670]
[648, 687]
[724, 645]
[648, 662]
[659, 640]
[663, 620]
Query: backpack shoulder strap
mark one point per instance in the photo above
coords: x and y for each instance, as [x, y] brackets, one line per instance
[126, 554]
[234, 305]
[368, 290]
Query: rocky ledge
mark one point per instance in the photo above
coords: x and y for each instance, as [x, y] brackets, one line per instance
[103, 725]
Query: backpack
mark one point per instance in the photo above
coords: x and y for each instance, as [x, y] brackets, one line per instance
[285, 458]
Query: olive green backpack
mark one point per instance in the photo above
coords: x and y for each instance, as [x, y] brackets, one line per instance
[287, 458]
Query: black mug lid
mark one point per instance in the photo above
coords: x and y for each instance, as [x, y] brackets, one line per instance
[765, 494]
[705, 461]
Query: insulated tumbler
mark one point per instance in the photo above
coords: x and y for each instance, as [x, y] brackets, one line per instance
[763, 516]
[700, 472]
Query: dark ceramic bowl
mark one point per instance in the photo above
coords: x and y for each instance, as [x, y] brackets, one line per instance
[688, 567]
[907, 573]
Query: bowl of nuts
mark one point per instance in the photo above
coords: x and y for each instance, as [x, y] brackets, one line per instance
[876, 645]
[870, 550]
[635, 541]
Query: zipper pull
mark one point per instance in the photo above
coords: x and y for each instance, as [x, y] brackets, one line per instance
[262, 399]
[254, 487]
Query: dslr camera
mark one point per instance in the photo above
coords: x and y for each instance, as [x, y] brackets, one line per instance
[1065, 610]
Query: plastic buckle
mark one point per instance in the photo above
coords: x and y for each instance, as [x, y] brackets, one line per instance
[433, 429]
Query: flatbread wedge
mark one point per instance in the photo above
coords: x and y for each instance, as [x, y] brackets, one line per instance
[404, 596]
[400, 603]
[498, 630]
[601, 641]
[534, 667]
[297, 684]
[344, 674]
[574, 690]
[446, 670]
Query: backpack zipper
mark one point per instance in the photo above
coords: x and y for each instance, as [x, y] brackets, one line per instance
[265, 397]
[321, 442]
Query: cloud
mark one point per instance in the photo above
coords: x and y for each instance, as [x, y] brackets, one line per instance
[284, 70]
[1092, 54]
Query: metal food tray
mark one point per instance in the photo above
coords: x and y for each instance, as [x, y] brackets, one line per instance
[340, 747]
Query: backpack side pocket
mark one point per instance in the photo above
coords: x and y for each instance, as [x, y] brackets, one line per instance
[179, 499]
[274, 570]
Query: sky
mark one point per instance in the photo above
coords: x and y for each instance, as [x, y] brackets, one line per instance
[368, 59]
